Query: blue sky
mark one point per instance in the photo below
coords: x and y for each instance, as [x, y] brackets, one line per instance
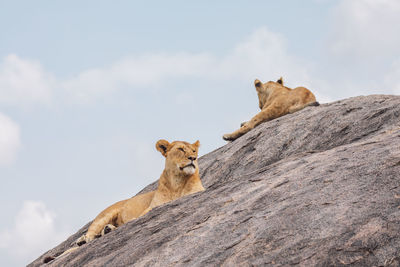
[88, 87]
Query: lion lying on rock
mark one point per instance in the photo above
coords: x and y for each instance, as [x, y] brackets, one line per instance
[275, 100]
[179, 178]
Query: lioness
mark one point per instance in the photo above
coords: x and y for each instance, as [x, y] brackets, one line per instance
[275, 100]
[179, 178]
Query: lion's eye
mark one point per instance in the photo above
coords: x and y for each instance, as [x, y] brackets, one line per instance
[181, 149]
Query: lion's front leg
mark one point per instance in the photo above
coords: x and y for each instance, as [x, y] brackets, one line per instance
[106, 217]
[245, 127]
[84, 239]
[145, 211]
[158, 200]
[236, 134]
[264, 115]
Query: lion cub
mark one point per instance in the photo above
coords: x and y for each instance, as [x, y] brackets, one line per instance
[179, 178]
[275, 100]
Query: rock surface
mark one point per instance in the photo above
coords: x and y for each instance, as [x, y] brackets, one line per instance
[320, 187]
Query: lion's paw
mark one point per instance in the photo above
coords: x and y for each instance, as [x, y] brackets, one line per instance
[82, 240]
[108, 228]
[227, 137]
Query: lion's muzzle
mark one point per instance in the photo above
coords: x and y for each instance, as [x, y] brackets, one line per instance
[189, 165]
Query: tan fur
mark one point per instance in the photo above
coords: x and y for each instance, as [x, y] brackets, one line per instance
[275, 100]
[175, 181]
[179, 178]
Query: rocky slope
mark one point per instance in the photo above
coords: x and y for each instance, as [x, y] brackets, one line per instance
[320, 187]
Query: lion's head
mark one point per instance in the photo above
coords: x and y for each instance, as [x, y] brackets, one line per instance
[264, 89]
[180, 157]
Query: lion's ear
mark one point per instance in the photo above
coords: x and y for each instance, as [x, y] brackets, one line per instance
[280, 80]
[196, 144]
[162, 146]
[257, 83]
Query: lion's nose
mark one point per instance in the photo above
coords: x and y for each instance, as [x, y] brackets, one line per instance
[192, 158]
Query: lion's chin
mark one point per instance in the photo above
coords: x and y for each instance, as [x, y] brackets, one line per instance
[189, 170]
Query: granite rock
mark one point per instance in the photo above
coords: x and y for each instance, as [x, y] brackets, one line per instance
[320, 187]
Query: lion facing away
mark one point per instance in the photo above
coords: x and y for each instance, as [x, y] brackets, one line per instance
[179, 178]
[275, 100]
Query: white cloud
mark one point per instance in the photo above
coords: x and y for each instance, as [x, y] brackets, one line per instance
[144, 71]
[366, 29]
[361, 45]
[392, 79]
[24, 82]
[9, 140]
[360, 29]
[34, 232]
[262, 55]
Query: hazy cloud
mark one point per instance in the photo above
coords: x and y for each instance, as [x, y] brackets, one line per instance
[33, 233]
[392, 79]
[263, 54]
[139, 72]
[9, 140]
[366, 29]
[24, 82]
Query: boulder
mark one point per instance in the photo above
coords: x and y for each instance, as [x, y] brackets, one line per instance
[320, 187]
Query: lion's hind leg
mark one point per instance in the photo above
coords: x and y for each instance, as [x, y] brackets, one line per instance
[296, 108]
[300, 107]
